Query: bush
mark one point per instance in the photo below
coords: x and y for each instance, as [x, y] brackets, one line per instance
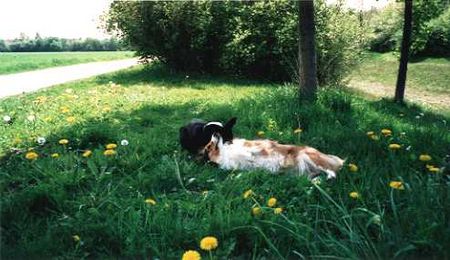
[253, 38]
[439, 35]
[430, 28]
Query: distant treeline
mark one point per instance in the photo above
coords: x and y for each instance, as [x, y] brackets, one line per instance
[39, 44]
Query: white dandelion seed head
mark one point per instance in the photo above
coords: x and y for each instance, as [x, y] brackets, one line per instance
[418, 117]
[316, 181]
[124, 142]
[31, 118]
[6, 119]
[41, 140]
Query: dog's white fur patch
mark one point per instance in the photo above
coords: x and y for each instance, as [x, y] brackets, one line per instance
[265, 154]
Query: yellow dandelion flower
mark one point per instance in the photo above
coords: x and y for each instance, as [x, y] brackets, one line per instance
[247, 194]
[63, 141]
[271, 202]
[434, 169]
[256, 211]
[87, 153]
[424, 158]
[354, 195]
[209, 243]
[55, 155]
[150, 201]
[31, 156]
[76, 238]
[260, 133]
[374, 137]
[111, 146]
[40, 99]
[70, 119]
[429, 166]
[109, 152]
[370, 133]
[106, 109]
[398, 185]
[191, 255]
[64, 110]
[386, 132]
[298, 131]
[17, 141]
[278, 211]
[394, 146]
[352, 167]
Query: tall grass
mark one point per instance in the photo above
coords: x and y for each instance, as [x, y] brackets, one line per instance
[47, 201]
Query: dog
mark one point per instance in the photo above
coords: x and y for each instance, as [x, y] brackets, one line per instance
[242, 154]
[197, 134]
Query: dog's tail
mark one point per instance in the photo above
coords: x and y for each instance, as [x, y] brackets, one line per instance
[334, 163]
[313, 162]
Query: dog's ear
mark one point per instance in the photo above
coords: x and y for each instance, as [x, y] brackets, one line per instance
[184, 137]
[230, 123]
[227, 132]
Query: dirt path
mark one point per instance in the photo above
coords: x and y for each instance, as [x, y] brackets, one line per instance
[19, 83]
[378, 90]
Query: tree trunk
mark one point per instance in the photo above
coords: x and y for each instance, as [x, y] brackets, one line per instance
[307, 50]
[403, 68]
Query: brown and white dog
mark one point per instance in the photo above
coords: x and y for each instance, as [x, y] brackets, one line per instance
[270, 155]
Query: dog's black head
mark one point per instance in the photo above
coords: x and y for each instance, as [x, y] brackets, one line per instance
[195, 135]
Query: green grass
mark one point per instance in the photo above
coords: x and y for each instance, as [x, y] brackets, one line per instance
[13, 62]
[45, 202]
[426, 74]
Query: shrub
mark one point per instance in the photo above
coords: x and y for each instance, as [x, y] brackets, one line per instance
[439, 35]
[251, 38]
[430, 28]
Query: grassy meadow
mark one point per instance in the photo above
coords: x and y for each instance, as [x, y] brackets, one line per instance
[425, 74]
[68, 197]
[13, 62]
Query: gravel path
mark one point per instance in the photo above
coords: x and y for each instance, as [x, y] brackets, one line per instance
[19, 83]
[430, 99]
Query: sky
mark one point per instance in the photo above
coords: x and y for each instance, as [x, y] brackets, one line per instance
[363, 4]
[76, 18]
[60, 18]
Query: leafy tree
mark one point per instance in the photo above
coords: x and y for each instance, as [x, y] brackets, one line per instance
[428, 20]
[24, 43]
[3, 47]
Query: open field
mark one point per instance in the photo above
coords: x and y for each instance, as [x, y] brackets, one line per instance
[13, 62]
[148, 199]
[428, 79]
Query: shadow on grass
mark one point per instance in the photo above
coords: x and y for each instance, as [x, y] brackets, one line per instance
[421, 58]
[410, 112]
[157, 74]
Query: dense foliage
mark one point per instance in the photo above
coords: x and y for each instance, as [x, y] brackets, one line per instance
[251, 38]
[40, 44]
[431, 28]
